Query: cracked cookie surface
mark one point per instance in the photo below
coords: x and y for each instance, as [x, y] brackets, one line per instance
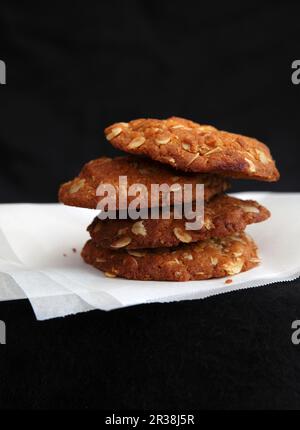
[189, 146]
[223, 216]
[212, 258]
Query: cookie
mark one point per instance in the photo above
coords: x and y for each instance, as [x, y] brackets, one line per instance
[188, 146]
[224, 216]
[212, 258]
[81, 191]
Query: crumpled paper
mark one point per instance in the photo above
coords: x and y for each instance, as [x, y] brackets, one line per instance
[40, 247]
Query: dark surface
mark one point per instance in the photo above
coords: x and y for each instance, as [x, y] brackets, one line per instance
[231, 351]
[71, 71]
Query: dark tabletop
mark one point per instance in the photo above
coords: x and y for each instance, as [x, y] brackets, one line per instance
[228, 351]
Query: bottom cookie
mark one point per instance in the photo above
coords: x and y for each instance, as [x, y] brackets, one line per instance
[212, 258]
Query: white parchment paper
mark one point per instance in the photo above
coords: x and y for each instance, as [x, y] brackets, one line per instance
[40, 259]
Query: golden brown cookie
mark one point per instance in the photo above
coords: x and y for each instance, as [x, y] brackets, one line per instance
[189, 146]
[81, 191]
[212, 258]
[224, 216]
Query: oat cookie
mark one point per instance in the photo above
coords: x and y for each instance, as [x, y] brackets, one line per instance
[81, 191]
[224, 216]
[189, 146]
[212, 258]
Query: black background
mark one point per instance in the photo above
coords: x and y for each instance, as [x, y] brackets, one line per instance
[73, 69]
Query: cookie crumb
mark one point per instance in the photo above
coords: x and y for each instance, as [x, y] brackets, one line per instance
[228, 281]
[64, 255]
[74, 250]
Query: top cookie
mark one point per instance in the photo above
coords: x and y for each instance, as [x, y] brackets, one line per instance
[82, 190]
[192, 147]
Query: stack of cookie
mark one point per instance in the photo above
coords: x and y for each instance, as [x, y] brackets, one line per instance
[174, 151]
